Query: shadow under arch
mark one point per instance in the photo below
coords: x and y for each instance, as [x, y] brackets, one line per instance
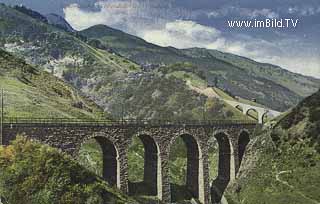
[225, 166]
[151, 169]
[239, 107]
[110, 162]
[243, 141]
[265, 117]
[193, 177]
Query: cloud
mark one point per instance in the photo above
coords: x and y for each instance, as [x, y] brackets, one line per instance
[188, 34]
[81, 19]
[129, 15]
[183, 34]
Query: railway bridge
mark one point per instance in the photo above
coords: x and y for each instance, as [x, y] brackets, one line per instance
[157, 137]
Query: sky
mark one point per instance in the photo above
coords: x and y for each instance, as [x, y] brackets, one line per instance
[204, 23]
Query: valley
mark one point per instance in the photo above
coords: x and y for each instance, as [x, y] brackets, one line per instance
[49, 70]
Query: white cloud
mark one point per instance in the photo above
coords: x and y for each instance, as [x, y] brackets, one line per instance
[81, 19]
[183, 34]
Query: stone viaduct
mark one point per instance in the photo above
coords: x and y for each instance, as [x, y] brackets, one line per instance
[157, 137]
[261, 112]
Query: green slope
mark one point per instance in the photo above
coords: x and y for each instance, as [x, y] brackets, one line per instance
[282, 164]
[270, 85]
[30, 92]
[32, 173]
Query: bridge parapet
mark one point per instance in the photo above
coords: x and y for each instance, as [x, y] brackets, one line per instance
[89, 122]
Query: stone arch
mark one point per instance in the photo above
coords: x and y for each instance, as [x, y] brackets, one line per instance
[194, 176]
[151, 169]
[255, 110]
[110, 158]
[226, 167]
[243, 141]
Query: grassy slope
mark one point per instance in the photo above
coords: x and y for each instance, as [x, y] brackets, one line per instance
[33, 173]
[29, 92]
[282, 165]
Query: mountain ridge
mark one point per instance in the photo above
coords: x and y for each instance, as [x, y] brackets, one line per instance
[296, 86]
[272, 92]
[59, 21]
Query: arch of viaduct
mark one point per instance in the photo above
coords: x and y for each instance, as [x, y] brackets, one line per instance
[157, 140]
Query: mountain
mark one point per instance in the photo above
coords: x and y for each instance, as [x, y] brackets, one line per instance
[270, 85]
[58, 21]
[282, 163]
[115, 83]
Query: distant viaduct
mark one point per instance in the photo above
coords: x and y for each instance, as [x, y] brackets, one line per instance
[260, 111]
